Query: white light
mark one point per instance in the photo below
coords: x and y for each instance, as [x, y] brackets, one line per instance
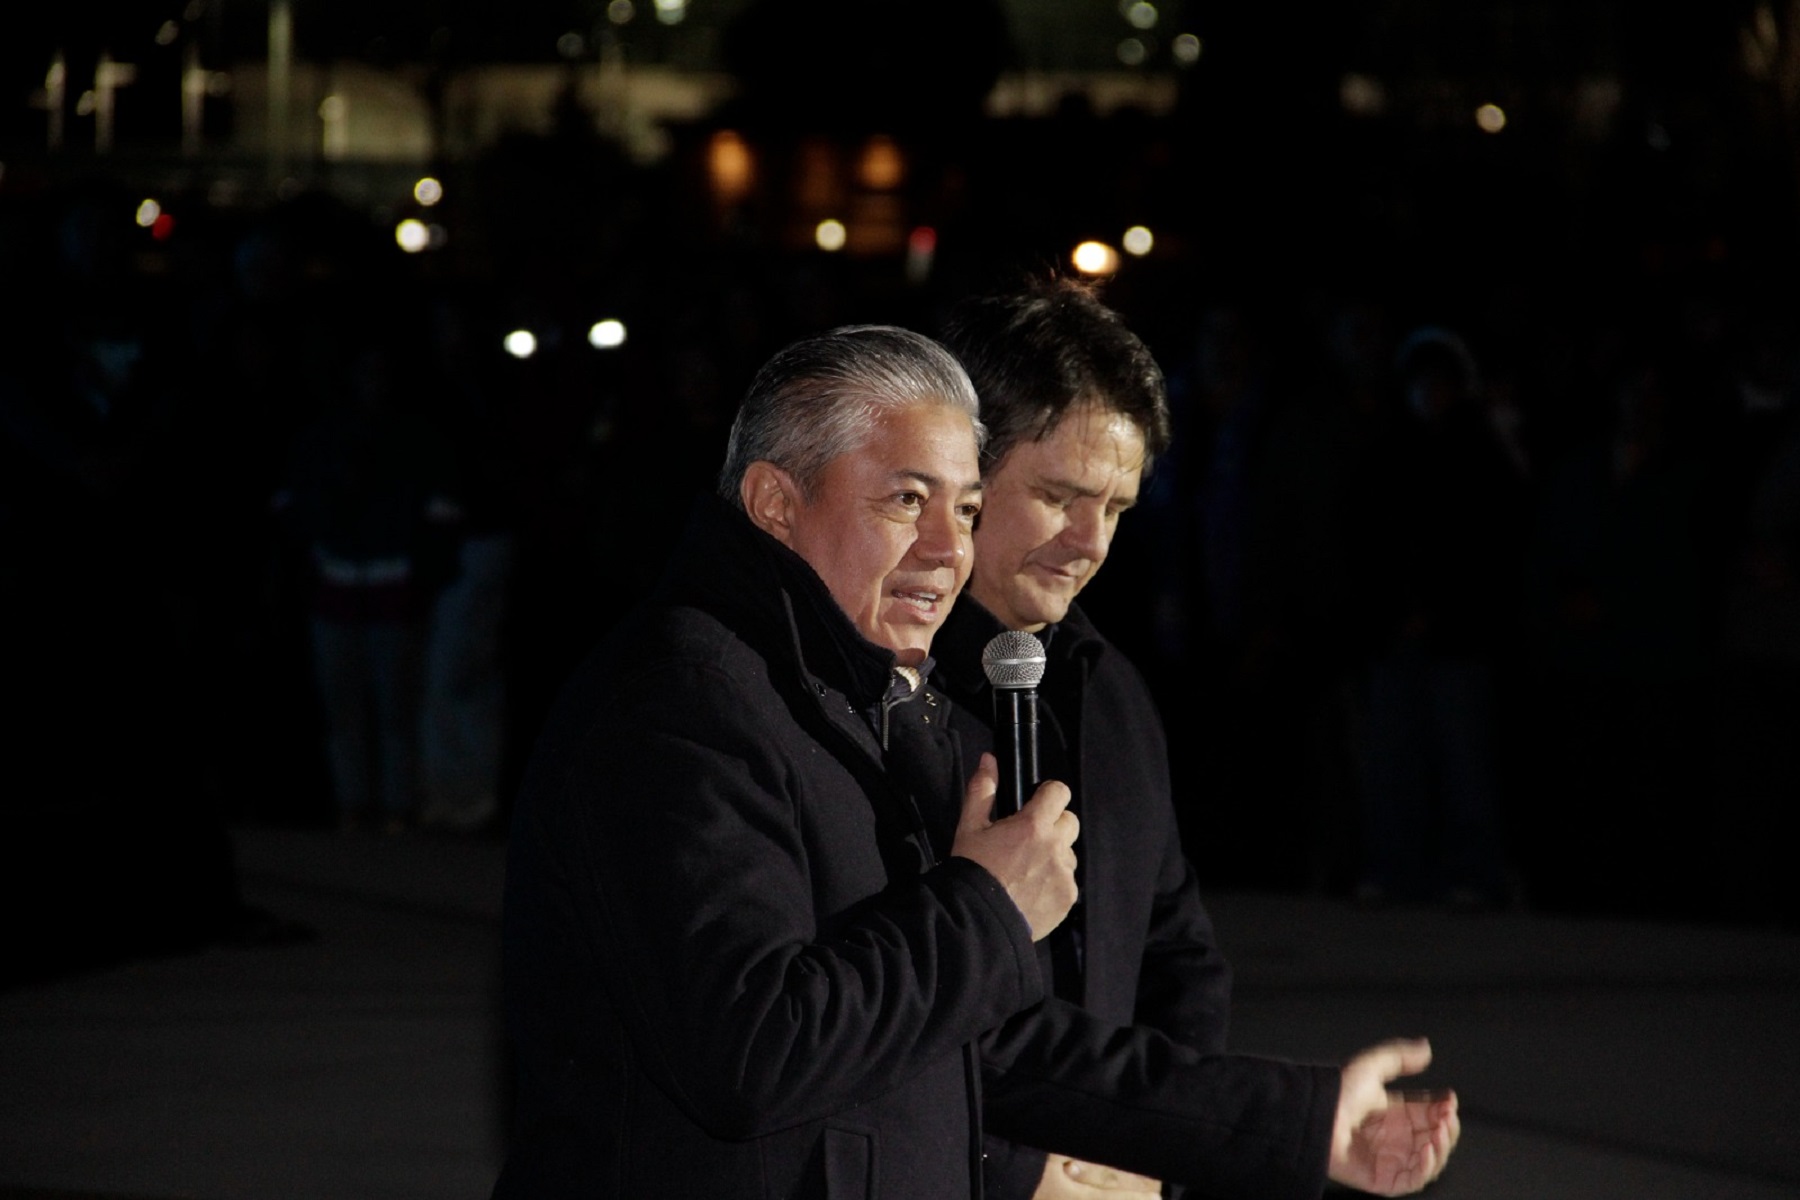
[1095, 258]
[620, 12]
[1132, 52]
[333, 108]
[1137, 241]
[1186, 49]
[521, 343]
[1491, 118]
[671, 12]
[167, 33]
[411, 235]
[147, 212]
[428, 191]
[1142, 15]
[830, 235]
[571, 45]
[607, 335]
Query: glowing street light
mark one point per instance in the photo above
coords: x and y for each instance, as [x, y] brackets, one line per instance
[1095, 258]
[412, 236]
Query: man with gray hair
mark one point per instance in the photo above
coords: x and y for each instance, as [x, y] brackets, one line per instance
[762, 937]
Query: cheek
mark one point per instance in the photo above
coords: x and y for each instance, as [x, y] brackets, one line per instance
[1046, 541]
[1013, 541]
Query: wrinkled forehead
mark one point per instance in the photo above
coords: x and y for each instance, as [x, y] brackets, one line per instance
[1087, 422]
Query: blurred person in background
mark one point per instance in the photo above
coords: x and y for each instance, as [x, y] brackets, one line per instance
[369, 503]
[1443, 551]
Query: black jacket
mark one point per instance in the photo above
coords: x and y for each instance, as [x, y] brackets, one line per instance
[1139, 948]
[736, 965]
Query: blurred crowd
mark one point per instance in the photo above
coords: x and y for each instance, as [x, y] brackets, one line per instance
[1485, 597]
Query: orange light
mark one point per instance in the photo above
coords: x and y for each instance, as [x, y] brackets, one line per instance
[730, 164]
[882, 166]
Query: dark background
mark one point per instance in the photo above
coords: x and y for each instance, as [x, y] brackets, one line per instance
[1630, 233]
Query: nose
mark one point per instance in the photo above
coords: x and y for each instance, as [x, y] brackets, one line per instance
[1088, 532]
[939, 538]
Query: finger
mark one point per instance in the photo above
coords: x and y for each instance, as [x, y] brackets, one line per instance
[1441, 1133]
[1069, 826]
[1095, 1175]
[978, 795]
[1450, 1120]
[1050, 802]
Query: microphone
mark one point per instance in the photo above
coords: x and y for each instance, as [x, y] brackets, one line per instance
[1014, 664]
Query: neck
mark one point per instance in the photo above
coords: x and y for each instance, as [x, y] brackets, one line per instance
[990, 603]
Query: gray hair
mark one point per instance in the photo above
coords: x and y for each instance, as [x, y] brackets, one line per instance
[821, 397]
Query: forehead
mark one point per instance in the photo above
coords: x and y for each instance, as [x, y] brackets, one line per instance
[1088, 437]
[925, 440]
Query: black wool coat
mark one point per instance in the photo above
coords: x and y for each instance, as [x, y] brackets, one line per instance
[737, 965]
[1139, 948]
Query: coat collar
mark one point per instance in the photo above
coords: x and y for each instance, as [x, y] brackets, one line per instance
[774, 599]
[970, 627]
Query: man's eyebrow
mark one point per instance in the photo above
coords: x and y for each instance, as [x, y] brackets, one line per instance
[1061, 483]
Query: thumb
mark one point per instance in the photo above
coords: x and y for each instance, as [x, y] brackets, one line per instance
[978, 796]
[1402, 1056]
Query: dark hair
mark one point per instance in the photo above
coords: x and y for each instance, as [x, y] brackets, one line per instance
[822, 396]
[1046, 348]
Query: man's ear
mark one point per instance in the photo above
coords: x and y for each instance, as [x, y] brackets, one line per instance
[771, 497]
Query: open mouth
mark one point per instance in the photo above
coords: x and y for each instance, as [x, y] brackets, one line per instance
[920, 601]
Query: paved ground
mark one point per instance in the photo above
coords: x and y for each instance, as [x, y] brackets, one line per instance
[1595, 1059]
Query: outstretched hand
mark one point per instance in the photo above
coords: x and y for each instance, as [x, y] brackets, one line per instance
[1391, 1143]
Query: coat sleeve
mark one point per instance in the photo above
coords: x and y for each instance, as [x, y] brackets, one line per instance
[1184, 984]
[726, 884]
[1226, 1125]
[1183, 978]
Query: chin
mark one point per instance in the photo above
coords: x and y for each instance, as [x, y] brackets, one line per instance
[1047, 614]
[912, 656]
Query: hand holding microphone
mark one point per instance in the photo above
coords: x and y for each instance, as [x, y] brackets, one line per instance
[1027, 844]
[1031, 852]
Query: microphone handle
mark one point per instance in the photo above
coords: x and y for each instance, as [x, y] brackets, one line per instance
[1016, 747]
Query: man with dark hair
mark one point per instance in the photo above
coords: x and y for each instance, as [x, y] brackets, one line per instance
[1076, 412]
[762, 941]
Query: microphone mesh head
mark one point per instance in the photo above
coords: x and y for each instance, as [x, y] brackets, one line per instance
[1013, 659]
